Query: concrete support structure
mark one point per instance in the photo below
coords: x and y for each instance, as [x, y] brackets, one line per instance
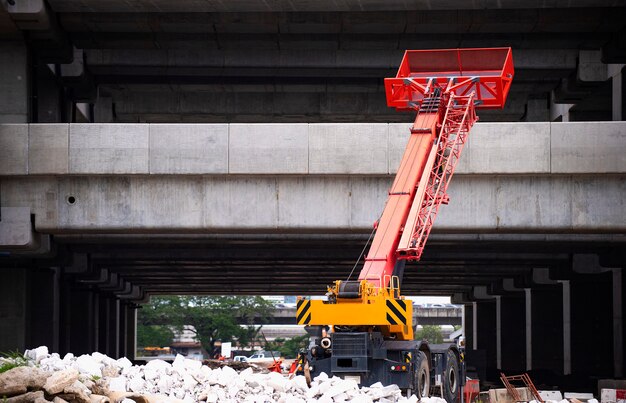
[14, 82]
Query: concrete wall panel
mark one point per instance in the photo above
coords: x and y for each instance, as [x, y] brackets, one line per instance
[352, 149]
[399, 134]
[188, 149]
[14, 149]
[472, 204]
[598, 202]
[99, 203]
[268, 148]
[313, 202]
[245, 203]
[588, 147]
[367, 200]
[532, 202]
[48, 148]
[506, 204]
[109, 148]
[509, 148]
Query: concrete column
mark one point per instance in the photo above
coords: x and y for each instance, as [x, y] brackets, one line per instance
[13, 306]
[108, 325]
[614, 71]
[127, 333]
[103, 322]
[103, 108]
[51, 103]
[597, 311]
[474, 326]
[513, 333]
[77, 325]
[567, 328]
[14, 82]
[130, 334]
[537, 110]
[618, 323]
[487, 335]
[528, 328]
[41, 327]
[617, 96]
[547, 328]
[559, 112]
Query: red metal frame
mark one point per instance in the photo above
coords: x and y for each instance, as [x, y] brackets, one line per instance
[445, 87]
[488, 72]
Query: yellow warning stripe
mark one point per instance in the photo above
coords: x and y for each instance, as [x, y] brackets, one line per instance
[396, 311]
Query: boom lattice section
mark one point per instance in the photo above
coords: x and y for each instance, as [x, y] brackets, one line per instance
[458, 119]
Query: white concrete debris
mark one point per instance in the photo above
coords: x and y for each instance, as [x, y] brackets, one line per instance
[98, 377]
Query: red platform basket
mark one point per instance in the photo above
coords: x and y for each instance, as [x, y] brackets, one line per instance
[486, 71]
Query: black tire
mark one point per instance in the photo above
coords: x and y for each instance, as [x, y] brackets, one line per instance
[421, 384]
[451, 382]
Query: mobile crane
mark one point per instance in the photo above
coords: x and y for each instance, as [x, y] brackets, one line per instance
[364, 330]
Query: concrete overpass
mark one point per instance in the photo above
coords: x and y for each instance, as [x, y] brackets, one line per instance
[101, 205]
[124, 211]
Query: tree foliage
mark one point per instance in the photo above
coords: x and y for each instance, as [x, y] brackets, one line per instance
[154, 336]
[288, 348]
[213, 317]
[430, 333]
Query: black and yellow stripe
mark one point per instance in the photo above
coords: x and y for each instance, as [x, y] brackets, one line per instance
[303, 312]
[396, 311]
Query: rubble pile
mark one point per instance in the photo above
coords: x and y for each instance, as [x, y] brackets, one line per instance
[99, 378]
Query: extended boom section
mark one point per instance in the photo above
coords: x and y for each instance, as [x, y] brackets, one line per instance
[364, 328]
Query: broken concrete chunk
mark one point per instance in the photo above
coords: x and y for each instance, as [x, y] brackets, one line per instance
[99, 399]
[14, 381]
[117, 384]
[89, 365]
[25, 398]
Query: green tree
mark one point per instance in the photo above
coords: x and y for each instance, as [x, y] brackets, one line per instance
[288, 348]
[213, 317]
[431, 333]
[154, 336]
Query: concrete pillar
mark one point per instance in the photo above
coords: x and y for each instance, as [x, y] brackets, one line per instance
[14, 82]
[537, 110]
[615, 72]
[81, 321]
[559, 112]
[618, 323]
[513, 333]
[474, 358]
[103, 108]
[108, 325]
[103, 323]
[13, 307]
[547, 328]
[42, 323]
[487, 335]
[592, 324]
[131, 333]
[567, 328]
[128, 332]
[529, 328]
[51, 107]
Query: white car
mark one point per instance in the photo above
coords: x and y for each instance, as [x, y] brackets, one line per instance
[240, 358]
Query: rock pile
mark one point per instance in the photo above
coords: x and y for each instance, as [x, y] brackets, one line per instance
[98, 378]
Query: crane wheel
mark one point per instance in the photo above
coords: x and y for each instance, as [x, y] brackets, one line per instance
[422, 375]
[451, 381]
